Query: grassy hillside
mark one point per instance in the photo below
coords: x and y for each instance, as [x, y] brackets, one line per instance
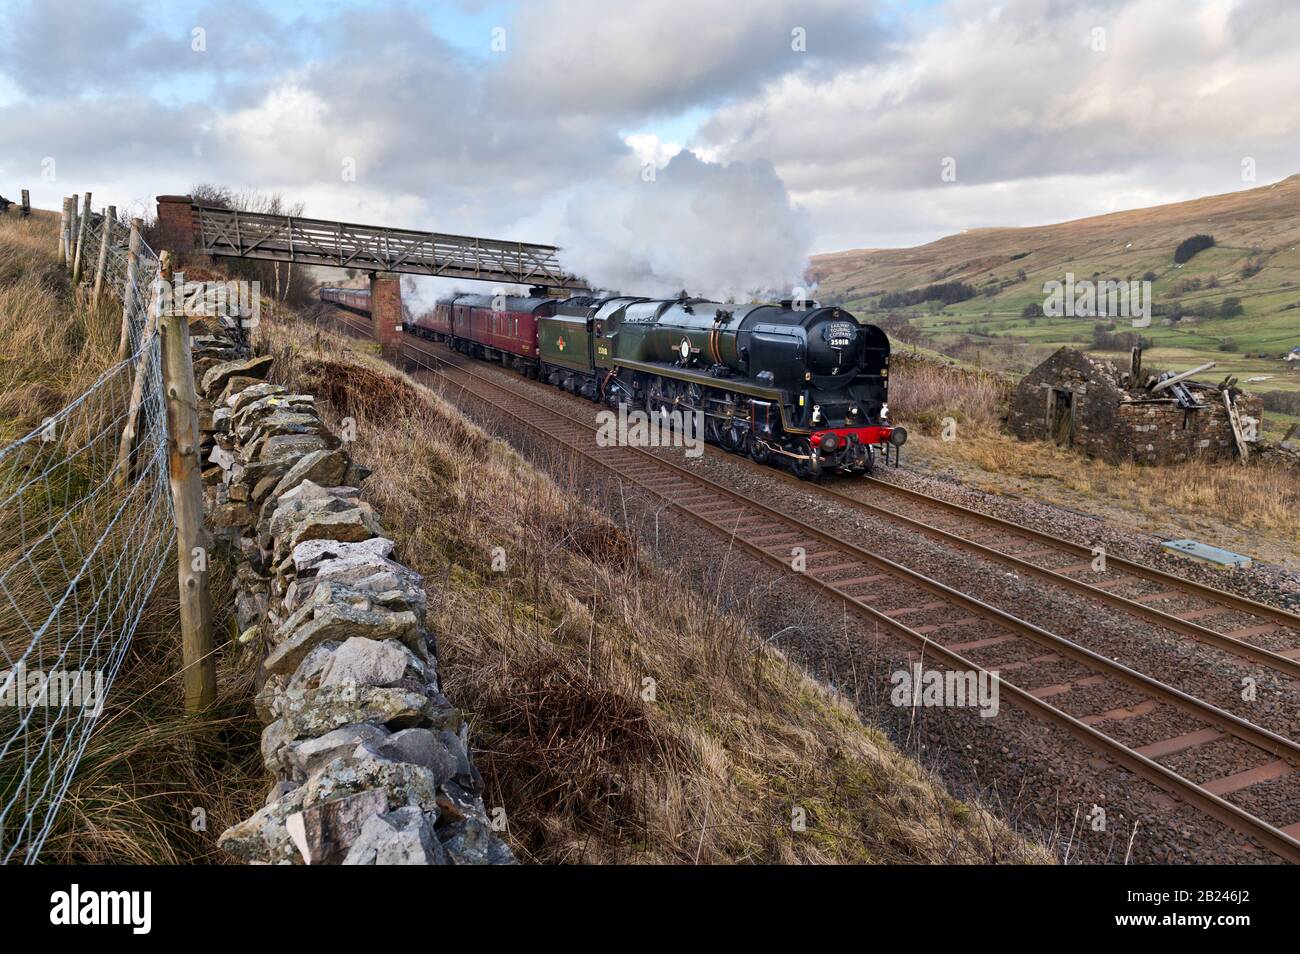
[1255, 259]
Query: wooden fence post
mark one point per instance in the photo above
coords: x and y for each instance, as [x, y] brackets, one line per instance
[81, 241]
[128, 288]
[75, 222]
[65, 226]
[1238, 434]
[125, 466]
[110, 216]
[192, 544]
[27, 203]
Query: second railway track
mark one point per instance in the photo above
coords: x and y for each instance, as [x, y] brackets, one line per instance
[1028, 551]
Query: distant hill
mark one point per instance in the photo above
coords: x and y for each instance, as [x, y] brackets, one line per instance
[1251, 222]
[1254, 259]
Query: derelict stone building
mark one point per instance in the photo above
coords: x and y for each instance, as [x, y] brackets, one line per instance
[1078, 401]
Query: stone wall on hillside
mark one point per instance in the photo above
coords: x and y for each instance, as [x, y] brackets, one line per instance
[370, 762]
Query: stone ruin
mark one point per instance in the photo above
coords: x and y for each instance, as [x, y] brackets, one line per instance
[370, 761]
[1078, 401]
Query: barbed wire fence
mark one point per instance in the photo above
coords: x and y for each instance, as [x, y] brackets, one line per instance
[86, 523]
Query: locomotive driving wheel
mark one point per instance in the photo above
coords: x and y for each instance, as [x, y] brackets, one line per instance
[809, 468]
[655, 404]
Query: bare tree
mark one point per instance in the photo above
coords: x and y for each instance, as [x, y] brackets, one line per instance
[286, 284]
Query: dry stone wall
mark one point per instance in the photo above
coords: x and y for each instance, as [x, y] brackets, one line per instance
[370, 761]
[1165, 433]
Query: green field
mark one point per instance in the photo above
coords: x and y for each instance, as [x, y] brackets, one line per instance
[1256, 259]
[989, 333]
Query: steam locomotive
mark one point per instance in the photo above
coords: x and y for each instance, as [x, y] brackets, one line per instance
[803, 384]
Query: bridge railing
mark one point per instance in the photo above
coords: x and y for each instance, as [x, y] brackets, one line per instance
[371, 248]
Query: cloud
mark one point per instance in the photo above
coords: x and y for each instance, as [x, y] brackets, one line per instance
[60, 48]
[413, 117]
[1165, 95]
[125, 149]
[632, 59]
[843, 142]
[713, 229]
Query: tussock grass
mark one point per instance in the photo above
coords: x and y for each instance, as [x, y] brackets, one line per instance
[156, 786]
[49, 351]
[922, 393]
[146, 767]
[1261, 497]
[553, 660]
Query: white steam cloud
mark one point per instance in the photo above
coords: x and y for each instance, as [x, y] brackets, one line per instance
[715, 230]
[421, 292]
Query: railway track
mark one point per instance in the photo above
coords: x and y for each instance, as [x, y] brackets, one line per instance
[1119, 573]
[354, 324]
[954, 622]
[1032, 552]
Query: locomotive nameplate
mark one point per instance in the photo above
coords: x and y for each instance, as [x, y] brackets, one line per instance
[839, 334]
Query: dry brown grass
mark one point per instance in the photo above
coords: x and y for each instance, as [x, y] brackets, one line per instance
[550, 658]
[147, 766]
[1262, 497]
[49, 351]
[922, 393]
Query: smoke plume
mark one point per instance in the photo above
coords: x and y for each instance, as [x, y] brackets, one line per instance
[714, 230]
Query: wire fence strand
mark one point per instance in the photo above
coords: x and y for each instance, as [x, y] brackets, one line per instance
[80, 555]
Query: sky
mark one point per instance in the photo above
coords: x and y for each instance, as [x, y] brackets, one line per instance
[707, 144]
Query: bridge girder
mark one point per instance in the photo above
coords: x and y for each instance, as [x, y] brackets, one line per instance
[282, 238]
